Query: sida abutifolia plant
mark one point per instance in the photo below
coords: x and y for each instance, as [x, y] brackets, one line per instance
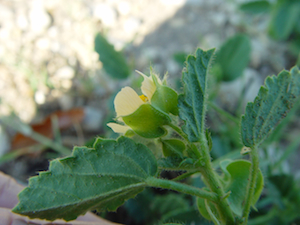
[105, 176]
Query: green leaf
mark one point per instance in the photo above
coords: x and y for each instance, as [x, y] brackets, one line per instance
[284, 17]
[233, 57]
[113, 62]
[191, 103]
[99, 178]
[237, 185]
[173, 147]
[273, 102]
[255, 7]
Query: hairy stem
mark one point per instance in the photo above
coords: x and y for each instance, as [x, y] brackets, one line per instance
[214, 184]
[251, 185]
[180, 187]
[212, 216]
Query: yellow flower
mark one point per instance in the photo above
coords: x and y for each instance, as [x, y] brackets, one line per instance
[127, 101]
[147, 113]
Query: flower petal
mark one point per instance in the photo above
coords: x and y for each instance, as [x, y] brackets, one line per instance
[127, 101]
[118, 128]
[148, 87]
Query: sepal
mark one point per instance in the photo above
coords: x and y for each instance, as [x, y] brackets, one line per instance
[147, 121]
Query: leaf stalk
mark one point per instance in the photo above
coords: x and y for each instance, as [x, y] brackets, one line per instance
[214, 184]
[180, 187]
[252, 183]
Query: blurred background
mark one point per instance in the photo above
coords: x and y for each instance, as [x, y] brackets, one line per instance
[62, 63]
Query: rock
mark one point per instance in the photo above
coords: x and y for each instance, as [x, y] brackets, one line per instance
[65, 72]
[53, 32]
[38, 17]
[124, 8]
[22, 21]
[39, 97]
[106, 14]
[43, 43]
[6, 14]
[132, 25]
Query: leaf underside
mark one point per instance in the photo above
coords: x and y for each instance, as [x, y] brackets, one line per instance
[192, 102]
[273, 102]
[99, 178]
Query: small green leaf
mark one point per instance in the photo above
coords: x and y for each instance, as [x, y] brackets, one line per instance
[255, 7]
[191, 103]
[233, 57]
[99, 178]
[284, 17]
[237, 185]
[173, 147]
[273, 102]
[113, 62]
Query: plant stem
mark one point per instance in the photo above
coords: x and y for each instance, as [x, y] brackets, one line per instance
[180, 187]
[251, 185]
[209, 175]
[212, 216]
[214, 184]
